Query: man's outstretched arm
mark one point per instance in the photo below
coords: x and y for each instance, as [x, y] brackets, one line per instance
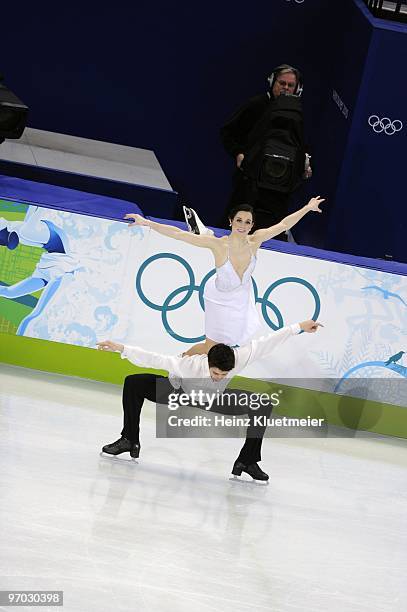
[141, 357]
[264, 346]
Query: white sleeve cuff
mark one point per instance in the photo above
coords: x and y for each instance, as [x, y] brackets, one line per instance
[296, 329]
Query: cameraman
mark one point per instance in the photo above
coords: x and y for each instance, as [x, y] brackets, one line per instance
[265, 138]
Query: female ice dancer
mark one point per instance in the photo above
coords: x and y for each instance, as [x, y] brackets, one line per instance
[230, 311]
[56, 264]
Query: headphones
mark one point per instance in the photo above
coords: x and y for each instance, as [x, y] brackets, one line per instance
[282, 68]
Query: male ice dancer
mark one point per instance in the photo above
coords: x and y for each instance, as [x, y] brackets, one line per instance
[212, 373]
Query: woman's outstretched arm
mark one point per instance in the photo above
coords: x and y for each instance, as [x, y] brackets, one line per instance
[288, 222]
[204, 241]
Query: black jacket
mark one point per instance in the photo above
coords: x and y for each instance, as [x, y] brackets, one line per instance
[269, 132]
[235, 133]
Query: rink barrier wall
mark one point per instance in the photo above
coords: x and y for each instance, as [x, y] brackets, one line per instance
[153, 329]
[69, 360]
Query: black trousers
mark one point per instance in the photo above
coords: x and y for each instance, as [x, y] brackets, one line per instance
[138, 387]
[270, 207]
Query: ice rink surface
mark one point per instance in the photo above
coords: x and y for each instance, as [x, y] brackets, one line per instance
[171, 532]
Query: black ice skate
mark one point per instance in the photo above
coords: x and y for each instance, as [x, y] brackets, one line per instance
[122, 445]
[252, 470]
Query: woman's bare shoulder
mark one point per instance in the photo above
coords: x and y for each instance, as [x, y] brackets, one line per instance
[222, 241]
[253, 242]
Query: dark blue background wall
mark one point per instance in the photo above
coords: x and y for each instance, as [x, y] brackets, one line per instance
[370, 215]
[352, 33]
[161, 75]
[166, 76]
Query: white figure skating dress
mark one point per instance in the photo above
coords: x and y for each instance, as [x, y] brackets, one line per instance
[230, 310]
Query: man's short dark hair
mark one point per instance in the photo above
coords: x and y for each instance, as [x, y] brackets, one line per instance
[221, 356]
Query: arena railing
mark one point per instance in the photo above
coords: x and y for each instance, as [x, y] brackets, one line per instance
[384, 9]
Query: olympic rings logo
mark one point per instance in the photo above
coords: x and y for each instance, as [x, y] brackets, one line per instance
[186, 291]
[385, 125]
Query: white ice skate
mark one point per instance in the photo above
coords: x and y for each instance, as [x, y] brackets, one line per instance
[194, 223]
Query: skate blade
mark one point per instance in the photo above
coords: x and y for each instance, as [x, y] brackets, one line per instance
[252, 481]
[188, 216]
[117, 458]
[190, 220]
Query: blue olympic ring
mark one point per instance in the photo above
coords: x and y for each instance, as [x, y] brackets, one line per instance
[167, 307]
[265, 303]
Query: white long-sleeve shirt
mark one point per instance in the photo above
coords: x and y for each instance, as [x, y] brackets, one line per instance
[191, 372]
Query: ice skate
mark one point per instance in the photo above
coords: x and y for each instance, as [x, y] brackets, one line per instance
[122, 445]
[253, 470]
[195, 225]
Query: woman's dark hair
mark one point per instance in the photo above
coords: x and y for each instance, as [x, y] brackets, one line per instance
[242, 208]
[221, 356]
